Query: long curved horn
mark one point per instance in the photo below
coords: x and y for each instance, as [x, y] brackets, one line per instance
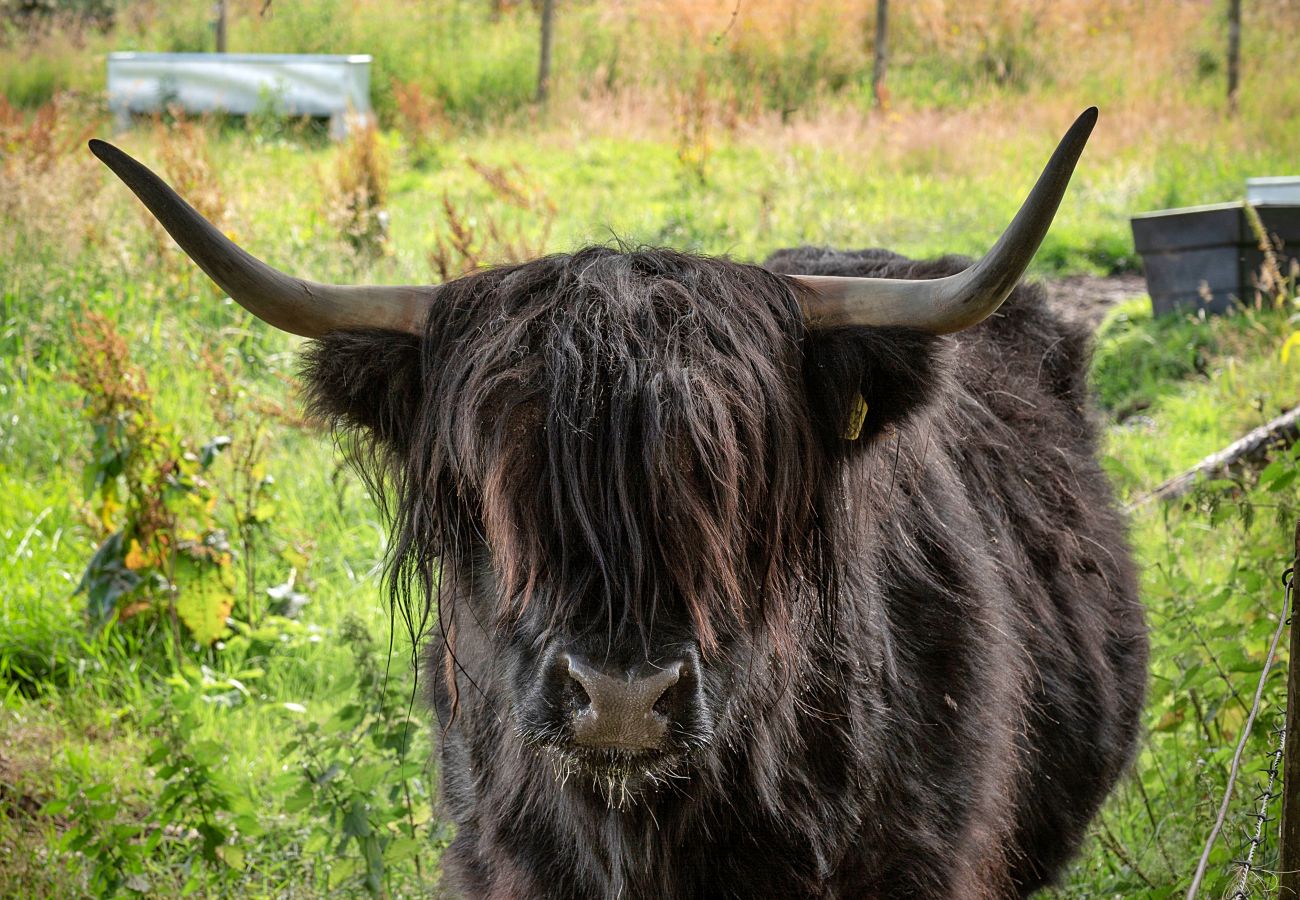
[291, 304]
[945, 305]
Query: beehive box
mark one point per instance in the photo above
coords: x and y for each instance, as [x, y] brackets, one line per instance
[1208, 257]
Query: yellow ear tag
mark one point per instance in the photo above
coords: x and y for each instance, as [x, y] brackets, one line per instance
[857, 415]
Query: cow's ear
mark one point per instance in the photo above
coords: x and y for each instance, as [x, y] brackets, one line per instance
[862, 381]
[365, 380]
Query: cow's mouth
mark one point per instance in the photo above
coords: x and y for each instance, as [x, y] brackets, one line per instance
[619, 777]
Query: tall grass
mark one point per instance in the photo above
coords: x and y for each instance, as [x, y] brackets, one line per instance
[782, 56]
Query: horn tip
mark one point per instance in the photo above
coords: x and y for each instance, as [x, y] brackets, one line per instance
[103, 150]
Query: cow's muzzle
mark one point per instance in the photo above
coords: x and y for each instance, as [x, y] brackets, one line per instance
[595, 710]
[617, 709]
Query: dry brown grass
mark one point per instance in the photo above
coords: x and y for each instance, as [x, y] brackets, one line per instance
[49, 188]
[1140, 39]
[1144, 62]
[694, 114]
[360, 192]
[1138, 57]
[490, 236]
[187, 160]
[421, 120]
[37, 141]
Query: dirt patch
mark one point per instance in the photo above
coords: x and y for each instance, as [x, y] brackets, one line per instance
[1086, 298]
[18, 804]
[25, 760]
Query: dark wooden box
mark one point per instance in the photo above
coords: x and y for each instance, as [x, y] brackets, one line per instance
[1207, 257]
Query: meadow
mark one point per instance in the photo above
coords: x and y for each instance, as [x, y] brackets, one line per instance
[204, 690]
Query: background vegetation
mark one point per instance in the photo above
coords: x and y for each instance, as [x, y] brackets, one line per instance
[202, 689]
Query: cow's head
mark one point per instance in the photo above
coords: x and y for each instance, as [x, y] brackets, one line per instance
[613, 470]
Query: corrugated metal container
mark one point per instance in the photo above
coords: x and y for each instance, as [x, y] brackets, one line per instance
[1280, 190]
[1207, 257]
[335, 87]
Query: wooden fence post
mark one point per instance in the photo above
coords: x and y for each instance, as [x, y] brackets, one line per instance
[878, 90]
[544, 60]
[1289, 861]
[1234, 53]
[220, 25]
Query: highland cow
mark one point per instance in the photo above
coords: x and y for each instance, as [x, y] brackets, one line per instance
[792, 580]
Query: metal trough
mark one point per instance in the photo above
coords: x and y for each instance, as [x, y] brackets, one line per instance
[333, 87]
[1274, 191]
[1207, 257]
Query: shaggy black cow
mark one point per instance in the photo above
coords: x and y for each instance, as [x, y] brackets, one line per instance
[749, 583]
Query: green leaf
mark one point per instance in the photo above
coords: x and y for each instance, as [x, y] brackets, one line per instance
[123, 833]
[318, 841]
[248, 825]
[1282, 481]
[356, 822]
[403, 848]
[98, 791]
[341, 871]
[303, 798]
[77, 839]
[208, 753]
[107, 579]
[232, 856]
[213, 837]
[367, 777]
[348, 716]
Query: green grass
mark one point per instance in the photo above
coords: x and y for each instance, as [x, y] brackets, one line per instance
[1171, 390]
[1181, 388]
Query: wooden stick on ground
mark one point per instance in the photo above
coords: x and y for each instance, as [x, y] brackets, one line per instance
[1284, 431]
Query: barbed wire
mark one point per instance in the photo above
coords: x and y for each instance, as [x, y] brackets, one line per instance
[1235, 768]
[1263, 801]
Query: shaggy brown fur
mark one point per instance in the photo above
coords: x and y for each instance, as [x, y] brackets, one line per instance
[918, 655]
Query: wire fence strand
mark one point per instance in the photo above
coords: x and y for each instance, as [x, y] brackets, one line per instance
[1264, 800]
[1241, 743]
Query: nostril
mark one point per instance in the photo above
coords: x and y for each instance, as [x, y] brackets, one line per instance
[576, 695]
[571, 692]
[663, 706]
[673, 677]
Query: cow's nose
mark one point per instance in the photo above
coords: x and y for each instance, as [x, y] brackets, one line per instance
[622, 710]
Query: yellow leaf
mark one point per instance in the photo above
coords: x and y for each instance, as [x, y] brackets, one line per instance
[136, 558]
[108, 508]
[1291, 343]
[204, 612]
[1170, 720]
[1231, 720]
